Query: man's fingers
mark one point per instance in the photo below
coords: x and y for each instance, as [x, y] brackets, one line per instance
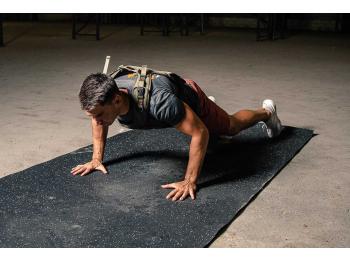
[102, 168]
[171, 194]
[169, 186]
[87, 171]
[75, 168]
[192, 194]
[87, 168]
[184, 195]
[79, 170]
[178, 194]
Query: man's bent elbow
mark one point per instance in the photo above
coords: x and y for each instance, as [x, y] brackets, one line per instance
[204, 133]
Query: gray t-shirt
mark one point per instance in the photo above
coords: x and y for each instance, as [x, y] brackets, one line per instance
[166, 107]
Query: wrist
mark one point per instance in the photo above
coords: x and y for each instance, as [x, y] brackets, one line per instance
[96, 162]
[98, 158]
[191, 179]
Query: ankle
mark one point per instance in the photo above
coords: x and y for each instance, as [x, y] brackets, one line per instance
[267, 113]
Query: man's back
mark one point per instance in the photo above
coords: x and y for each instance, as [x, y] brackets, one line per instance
[165, 107]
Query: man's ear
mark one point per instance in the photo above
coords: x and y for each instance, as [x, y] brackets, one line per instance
[117, 99]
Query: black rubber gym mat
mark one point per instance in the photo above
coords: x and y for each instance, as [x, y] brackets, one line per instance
[45, 206]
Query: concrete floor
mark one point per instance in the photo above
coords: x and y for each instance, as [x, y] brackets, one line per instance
[306, 205]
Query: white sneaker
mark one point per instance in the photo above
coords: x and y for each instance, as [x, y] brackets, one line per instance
[273, 125]
[212, 98]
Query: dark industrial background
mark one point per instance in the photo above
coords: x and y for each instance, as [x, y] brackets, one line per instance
[267, 26]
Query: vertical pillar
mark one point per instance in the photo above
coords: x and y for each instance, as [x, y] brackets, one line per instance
[142, 21]
[98, 21]
[74, 21]
[1, 32]
[202, 24]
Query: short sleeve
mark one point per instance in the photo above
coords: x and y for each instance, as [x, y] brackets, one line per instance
[167, 108]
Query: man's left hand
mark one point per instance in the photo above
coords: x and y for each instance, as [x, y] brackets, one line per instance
[181, 190]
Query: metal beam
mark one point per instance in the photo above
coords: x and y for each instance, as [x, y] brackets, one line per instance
[76, 32]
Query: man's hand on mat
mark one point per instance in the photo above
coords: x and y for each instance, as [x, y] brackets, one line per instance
[85, 169]
[181, 190]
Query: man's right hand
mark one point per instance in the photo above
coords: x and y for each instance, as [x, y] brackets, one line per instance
[85, 169]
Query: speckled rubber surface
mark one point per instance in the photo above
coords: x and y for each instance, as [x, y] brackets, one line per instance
[45, 206]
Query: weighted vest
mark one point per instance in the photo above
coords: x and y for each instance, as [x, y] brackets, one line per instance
[142, 88]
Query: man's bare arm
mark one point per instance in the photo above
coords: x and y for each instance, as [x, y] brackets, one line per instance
[99, 136]
[191, 125]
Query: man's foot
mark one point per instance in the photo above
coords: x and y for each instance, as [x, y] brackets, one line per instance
[273, 125]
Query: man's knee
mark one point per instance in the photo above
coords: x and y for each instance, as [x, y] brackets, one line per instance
[235, 126]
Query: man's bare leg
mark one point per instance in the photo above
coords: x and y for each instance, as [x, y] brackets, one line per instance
[247, 118]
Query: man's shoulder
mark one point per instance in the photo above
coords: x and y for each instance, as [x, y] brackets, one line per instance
[162, 83]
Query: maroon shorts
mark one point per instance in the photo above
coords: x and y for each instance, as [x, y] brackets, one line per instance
[215, 118]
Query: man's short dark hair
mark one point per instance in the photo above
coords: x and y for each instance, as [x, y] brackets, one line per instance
[97, 89]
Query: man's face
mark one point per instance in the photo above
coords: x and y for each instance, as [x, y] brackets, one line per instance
[106, 114]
